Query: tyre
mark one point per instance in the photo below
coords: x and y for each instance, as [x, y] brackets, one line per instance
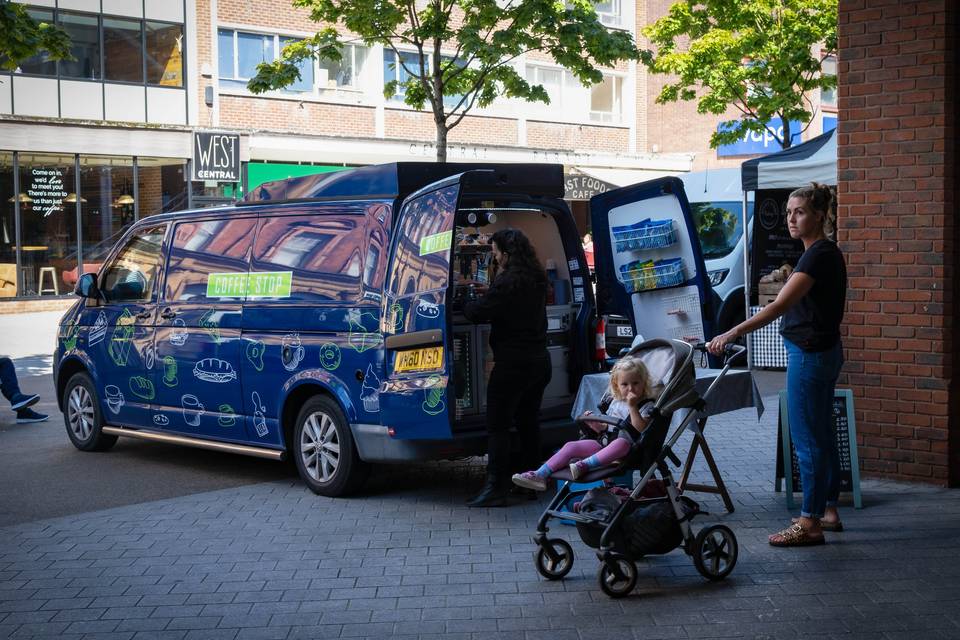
[715, 552]
[617, 576]
[324, 451]
[82, 416]
[554, 560]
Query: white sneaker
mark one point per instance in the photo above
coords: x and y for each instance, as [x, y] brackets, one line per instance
[530, 480]
[576, 470]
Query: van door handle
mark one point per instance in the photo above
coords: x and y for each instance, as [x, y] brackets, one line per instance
[168, 314]
[144, 315]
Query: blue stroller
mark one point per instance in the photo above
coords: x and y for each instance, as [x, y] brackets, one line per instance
[623, 532]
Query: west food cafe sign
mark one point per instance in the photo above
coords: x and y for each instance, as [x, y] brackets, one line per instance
[216, 156]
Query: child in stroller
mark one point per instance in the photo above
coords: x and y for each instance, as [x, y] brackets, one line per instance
[603, 444]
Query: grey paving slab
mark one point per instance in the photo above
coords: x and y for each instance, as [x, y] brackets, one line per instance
[407, 559]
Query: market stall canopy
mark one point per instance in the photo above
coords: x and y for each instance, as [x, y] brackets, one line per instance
[813, 161]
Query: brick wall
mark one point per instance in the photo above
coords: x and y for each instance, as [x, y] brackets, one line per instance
[897, 226]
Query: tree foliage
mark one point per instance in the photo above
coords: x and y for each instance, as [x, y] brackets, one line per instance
[464, 50]
[21, 37]
[763, 57]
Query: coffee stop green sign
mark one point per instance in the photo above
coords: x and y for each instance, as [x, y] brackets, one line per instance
[258, 284]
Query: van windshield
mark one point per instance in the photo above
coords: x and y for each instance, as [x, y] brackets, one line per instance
[719, 226]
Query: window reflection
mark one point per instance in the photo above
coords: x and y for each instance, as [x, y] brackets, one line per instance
[162, 186]
[40, 64]
[8, 253]
[205, 247]
[122, 53]
[414, 269]
[130, 276]
[164, 54]
[84, 32]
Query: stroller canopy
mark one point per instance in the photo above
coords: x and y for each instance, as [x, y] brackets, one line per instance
[670, 365]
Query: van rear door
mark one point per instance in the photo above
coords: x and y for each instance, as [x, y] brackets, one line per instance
[648, 262]
[415, 399]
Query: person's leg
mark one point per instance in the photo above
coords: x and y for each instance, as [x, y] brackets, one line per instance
[502, 400]
[575, 450]
[833, 361]
[527, 416]
[8, 379]
[614, 451]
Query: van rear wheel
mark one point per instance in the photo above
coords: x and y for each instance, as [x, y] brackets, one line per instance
[82, 416]
[324, 451]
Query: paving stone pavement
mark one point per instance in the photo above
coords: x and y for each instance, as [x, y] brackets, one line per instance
[407, 559]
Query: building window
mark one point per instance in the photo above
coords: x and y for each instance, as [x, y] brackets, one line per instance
[84, 32]
[605, 100]
[552, 81]
[345, 73]
[122, 50]
[609, 12]
[8, 240]
[305, 67]
[395, 68]
[161, 185]
[108, 203]
[164, 53]
[828, 97]
[40, 64]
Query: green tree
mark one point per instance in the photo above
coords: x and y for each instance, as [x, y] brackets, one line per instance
[21, 37]
[464, 51]
[763, 57]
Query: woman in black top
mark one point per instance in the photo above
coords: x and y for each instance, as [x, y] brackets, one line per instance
[516, 308]
[811, 303]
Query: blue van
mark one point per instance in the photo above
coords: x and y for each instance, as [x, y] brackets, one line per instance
[319, 319]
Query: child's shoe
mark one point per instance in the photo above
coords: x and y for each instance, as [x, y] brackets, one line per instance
[577, 469]
[530, 480]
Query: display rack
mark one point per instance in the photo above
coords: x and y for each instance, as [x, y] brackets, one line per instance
[647, 234]
[647, 274]
[644, 276]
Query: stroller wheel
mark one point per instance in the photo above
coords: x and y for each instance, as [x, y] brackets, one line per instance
[617, 576]
[715, 552]
[554, 558]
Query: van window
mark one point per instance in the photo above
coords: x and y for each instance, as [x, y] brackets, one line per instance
[204, 247]
[324, 254]
[130, 276]
[719, 226]
[427, 223]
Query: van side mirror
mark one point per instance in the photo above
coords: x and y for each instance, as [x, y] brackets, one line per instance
[87, 287]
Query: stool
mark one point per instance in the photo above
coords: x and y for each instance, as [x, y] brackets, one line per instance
[52, 272]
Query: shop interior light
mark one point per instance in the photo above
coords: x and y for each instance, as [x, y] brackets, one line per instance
[72, 197]
[22, 198]
[125, 199]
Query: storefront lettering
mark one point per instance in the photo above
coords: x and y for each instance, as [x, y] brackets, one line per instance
[46, 190]
[216, 156]
[584, 187]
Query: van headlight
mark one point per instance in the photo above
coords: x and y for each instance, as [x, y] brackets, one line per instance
[718, 276]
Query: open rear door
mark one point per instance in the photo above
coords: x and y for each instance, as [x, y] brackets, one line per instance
[416, 396]
[648, 262]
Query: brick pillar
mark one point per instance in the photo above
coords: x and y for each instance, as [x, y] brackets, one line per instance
[897, 166]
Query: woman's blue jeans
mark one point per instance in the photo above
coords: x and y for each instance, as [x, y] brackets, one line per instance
[811, 379]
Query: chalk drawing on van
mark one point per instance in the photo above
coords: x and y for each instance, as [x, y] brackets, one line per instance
[142, 387]
[255, 350]
[214, 370]
[121, 339]
[149, 356]
[329, 356]
[291, 351]
[427, 309]
[160, 420]
[370, 391]
[178, 334]
[98, 331]
[192, 409]
[211, 325]
[259, 415]
[115, 399]
[228, 417]
[396, 316]
[361, 338]
[433, 397]
[70, 336]
[169, 371]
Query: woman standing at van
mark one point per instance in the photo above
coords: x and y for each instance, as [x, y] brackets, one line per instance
[811, 303]
[516, 308]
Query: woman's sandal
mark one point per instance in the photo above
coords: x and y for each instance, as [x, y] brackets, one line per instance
[827, 525]
[795, 536]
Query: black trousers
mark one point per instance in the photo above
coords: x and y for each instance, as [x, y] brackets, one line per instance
[514, 394]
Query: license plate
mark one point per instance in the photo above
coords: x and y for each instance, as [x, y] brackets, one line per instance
[624, 332]
[425, 359]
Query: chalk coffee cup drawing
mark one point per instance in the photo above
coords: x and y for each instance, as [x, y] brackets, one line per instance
[192, 409]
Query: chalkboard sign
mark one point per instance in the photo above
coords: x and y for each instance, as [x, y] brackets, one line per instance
[846, 430]
[771, 246]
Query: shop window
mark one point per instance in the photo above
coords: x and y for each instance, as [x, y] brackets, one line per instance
[164, 53]
[161, 185]
[122, 50]
[605, 100]
[130, 277]
[322, 254]
[84, 32]
[40, 64]
[48, 221]
[8, 241]
[107, 205]
[205, 247]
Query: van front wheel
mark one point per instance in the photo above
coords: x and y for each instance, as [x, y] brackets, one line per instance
[82, 417]
[324, 451]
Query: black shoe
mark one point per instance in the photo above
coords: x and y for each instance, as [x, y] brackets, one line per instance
[489, 496]
[29, 415]
[22, 401]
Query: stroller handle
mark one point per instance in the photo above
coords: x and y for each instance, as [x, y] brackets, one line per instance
[730, 351]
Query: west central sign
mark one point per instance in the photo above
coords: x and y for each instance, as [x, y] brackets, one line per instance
[216, 156]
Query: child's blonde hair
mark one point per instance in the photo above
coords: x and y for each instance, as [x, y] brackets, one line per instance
[629, 364]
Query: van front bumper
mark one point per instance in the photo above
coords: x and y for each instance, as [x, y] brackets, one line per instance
[374, 444]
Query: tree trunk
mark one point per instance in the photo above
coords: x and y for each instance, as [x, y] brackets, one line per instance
[787, 135]
[441, 141]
